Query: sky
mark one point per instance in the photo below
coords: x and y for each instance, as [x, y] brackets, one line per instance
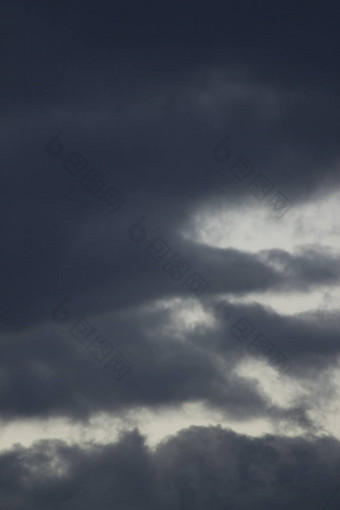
[170, 281]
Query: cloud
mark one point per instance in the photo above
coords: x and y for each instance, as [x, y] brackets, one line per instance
[198, 468]
[113, 202]
[56, 370]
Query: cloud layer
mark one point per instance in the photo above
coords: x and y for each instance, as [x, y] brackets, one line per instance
[168, 175]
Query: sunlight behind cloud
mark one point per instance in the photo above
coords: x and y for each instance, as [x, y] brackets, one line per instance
[253, 227]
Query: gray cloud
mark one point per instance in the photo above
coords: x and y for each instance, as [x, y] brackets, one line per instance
[198, 468]
[145, 93]
[54, 371]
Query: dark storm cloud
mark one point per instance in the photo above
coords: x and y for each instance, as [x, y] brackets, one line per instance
[114, 99]
[310, 339]
[58, 239]
[310, 266]
[53, 370]
[52, 374]
[134, 59]
[145, 93]
[198, 468]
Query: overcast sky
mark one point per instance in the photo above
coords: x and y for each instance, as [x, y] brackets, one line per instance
[170, 281]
